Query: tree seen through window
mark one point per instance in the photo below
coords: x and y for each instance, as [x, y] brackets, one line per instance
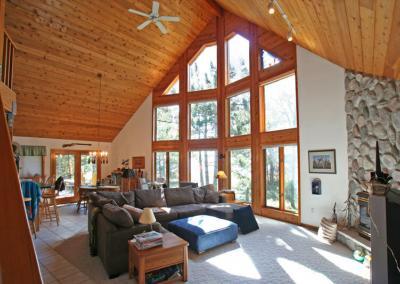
[238, 49]
[167, 123]
[203, 70]
[239, 108]
[203, 120]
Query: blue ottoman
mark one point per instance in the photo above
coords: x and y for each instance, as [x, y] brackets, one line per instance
[204, 232]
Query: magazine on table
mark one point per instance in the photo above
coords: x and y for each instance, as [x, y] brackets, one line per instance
[147, 240]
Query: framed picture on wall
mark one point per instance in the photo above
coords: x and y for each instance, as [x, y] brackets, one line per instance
[322, 161]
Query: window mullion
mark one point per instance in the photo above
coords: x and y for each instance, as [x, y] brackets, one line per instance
[281, 178]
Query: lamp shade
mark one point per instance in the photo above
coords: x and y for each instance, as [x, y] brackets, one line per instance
[147, 217]
[221, 175]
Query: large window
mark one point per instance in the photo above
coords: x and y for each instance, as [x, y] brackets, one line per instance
[239, 114]
[281, 177]
[203, 120]
[238, 58]
[203, 167]
[268, 59]
[167, 168]
[167, 123]
[203, 70]
[240, 165]
[280, 104]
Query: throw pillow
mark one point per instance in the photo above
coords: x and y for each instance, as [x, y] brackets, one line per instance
[199, 194]
[149, 198]
[117, 215]
[211, 196]
[135, 212]
[179, 196]
[120, 197]
[100, 201]
[245, 219]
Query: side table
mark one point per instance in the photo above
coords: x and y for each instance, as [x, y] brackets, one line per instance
[174, 251]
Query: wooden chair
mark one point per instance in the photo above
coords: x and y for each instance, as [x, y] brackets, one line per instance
[83, 199]
[49, 210]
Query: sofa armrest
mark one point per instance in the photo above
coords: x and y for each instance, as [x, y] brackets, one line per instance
[226, 196]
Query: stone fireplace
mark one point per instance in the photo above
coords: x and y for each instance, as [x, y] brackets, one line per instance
[372, 114]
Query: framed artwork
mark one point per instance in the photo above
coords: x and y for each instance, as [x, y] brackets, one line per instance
[322, 161]
[138, 163]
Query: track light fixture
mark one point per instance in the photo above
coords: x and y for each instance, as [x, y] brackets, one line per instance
[271, 8]
[290, 35]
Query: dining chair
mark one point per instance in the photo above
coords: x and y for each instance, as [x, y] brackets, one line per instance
[49, 209]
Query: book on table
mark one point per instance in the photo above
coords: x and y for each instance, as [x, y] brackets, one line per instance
[147, 240]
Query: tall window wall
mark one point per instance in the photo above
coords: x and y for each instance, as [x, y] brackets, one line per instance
[232, 106]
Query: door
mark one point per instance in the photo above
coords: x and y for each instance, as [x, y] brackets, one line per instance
[74, 167]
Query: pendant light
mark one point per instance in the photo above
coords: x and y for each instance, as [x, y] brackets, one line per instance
[98, 155]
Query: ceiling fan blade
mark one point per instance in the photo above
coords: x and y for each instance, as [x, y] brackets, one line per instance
[169, 19]
[162, 28]
[140, 13]
[155, 8]
[143, 25]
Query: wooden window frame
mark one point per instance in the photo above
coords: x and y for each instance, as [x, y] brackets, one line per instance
[193, 59]
[165, 93]
[167, 165]
[228, 113]
[228, 38]
[155, 122]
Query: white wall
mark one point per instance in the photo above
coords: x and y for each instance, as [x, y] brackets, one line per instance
[322, 123]
[57, 144]
[135, 138]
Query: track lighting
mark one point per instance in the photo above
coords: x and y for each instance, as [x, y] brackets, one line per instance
[290, 35]
[271, 8]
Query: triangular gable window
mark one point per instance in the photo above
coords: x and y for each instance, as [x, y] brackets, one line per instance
[268, 59]
[173, 88]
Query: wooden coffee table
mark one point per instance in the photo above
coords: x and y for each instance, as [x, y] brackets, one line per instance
[173, 251]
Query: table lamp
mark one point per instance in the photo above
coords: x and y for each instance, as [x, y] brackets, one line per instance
[221, 175]
[147, 217]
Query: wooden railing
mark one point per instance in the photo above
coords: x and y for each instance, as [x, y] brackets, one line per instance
[8, 61]
[18, 262]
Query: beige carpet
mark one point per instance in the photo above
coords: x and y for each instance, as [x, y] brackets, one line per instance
[277, 253]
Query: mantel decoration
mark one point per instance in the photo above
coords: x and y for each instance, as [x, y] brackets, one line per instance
[322, 161]
[101, 156]
[380, 181]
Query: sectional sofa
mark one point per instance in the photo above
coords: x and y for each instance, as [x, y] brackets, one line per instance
[113, 218]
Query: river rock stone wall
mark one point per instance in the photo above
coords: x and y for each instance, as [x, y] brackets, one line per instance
[373, 113]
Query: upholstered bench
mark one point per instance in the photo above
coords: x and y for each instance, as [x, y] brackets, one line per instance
[204, 232]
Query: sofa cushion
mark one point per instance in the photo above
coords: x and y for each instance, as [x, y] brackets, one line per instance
[165, 215]
[100, 201]
[179, 196]
[199, 194]
[188, 210]
[117, 215]
[211, 196]
[134, 211]
[120, 197]
[149, 198]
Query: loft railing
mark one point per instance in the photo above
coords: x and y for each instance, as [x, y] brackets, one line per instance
[18, 262]
[8, 61]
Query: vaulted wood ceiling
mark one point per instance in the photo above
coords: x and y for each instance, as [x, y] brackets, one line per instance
[362, 35]
[63, 44]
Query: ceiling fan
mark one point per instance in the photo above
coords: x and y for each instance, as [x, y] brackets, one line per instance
[154, 17]
[75, 144]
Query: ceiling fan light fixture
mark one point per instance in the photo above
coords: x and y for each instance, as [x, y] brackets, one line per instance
[271, 8]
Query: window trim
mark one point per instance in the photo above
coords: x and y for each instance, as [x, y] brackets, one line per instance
[281, 148]
[155, 107]
[263, 118]
[226, 53]
[165, 93]
[228, 113]
[189, 111]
